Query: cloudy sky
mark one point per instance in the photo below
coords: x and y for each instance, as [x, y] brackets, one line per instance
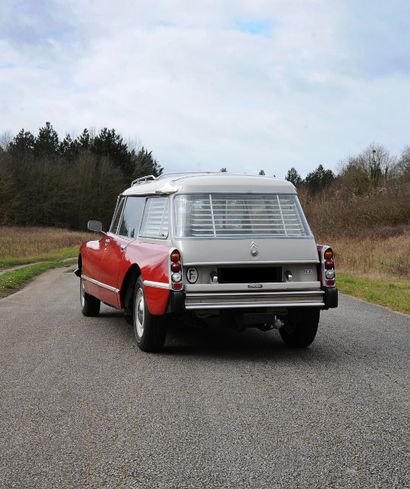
[247, 85]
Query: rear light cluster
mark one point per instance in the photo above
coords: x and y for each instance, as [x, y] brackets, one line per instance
[176, 270]
[327, 266]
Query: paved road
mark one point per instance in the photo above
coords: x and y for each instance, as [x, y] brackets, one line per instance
[81, 406]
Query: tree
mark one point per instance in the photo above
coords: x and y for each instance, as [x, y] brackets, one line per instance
[145, 164]
[223, 170]
[367, 171]
[294, 177]
[69, 148]
[261, 172]
[46, 143]
[319, 179]
[111, 145]
[22, 144]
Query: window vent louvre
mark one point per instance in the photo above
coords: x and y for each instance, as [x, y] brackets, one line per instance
[155, 220]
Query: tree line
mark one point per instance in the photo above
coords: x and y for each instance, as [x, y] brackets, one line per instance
[46, 181]
[371, 191]
[372, 169]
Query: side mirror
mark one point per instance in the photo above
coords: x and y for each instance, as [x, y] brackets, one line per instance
[95, 226]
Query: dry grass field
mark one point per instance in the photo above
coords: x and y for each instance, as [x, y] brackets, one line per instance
[383, 252]
[375, 266]
[27, 244]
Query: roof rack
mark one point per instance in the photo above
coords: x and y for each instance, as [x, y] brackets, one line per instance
[145, 179]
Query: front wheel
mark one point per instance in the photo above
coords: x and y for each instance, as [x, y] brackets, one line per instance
[149, 330]
[300, 327]
[90, 306]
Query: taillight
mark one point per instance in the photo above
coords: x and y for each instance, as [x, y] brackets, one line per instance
[327, 272]
[175, 256]
[328, 254]
[176, 270]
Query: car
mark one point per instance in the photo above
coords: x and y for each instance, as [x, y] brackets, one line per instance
[209, 244]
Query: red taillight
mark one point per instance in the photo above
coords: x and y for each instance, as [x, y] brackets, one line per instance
[330, 283]
[176, 270]
[329, 264]
[328, 254]
[175, 256]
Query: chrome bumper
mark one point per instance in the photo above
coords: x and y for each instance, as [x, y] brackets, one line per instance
[233, 300]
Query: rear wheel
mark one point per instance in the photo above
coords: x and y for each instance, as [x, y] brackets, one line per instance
[90, 306]
[149, 330]
[300, 327]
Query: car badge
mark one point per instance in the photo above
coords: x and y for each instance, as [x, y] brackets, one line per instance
[253, 249]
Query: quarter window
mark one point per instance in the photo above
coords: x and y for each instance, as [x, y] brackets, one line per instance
[155, 220]
[131, 217]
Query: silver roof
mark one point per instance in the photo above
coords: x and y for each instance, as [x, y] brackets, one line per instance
[210, 182]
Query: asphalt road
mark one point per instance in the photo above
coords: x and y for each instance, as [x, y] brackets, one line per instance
[81, 406]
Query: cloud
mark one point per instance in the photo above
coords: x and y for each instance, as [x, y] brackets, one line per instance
[205, 85]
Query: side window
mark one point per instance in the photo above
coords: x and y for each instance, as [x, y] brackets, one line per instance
[117, 215]
[155, 220]
[131, 217]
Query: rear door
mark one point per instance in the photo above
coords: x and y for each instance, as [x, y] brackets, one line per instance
[118, 239]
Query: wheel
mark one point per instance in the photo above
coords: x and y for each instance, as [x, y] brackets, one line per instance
[90, 306]
[300, 327]
[149, 330]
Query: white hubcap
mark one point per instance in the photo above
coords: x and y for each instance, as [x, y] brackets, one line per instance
[139, 313]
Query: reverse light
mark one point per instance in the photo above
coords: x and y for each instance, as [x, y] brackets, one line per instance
[176, 277]
[330, 274]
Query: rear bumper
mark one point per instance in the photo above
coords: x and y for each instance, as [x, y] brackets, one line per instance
[236, 300]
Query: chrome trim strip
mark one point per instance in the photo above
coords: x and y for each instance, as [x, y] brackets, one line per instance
[158, 285]
[255, 294]
[252, 305]
[249, 262]
[100, 284]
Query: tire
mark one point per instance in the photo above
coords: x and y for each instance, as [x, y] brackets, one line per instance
[90, 306]
[300, 327]
[149, 330]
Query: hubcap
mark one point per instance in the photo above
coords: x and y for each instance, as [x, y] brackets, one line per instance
[139, 313]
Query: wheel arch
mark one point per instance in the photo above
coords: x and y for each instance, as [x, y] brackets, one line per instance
[127, 286]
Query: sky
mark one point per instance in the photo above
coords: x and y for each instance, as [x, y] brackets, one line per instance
[206, 84]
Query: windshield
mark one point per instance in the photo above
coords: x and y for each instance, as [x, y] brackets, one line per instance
[234, 215]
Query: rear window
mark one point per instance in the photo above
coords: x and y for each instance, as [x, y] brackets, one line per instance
[234, 215]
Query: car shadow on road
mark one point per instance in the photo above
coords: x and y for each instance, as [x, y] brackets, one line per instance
[210, 340]
[215, 341]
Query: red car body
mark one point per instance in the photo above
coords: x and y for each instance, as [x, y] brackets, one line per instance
[107, 262]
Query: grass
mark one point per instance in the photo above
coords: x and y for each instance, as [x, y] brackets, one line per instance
[374, 265]
[380, 252]
[388, 292]
[40, 248]
[13, 280]
[20, 245]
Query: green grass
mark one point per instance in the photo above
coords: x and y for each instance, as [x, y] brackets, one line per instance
[61, 254]
[394, 294]
[14, 280]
